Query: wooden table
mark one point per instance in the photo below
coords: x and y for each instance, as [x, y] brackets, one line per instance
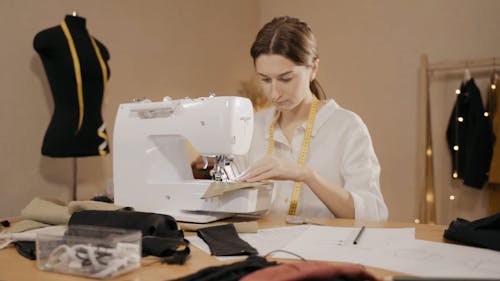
[15, 267]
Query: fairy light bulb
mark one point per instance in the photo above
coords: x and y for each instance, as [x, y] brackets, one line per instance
[429, 197]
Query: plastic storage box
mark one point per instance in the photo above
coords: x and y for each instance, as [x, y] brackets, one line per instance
[91, 251]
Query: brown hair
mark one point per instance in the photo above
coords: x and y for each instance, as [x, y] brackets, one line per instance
[292, 39]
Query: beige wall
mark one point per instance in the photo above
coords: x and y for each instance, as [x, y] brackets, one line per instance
[158, 48]
[369, 62]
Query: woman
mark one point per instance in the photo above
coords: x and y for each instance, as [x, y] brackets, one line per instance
[319, 155]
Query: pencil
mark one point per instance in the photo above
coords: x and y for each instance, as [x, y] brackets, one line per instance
[359, 235]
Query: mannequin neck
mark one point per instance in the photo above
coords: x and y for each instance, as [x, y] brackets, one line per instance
[75, 22]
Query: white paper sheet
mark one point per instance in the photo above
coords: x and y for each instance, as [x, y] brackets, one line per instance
[336, 243]
[396, 250]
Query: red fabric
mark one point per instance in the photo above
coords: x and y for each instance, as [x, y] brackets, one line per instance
[309, 270]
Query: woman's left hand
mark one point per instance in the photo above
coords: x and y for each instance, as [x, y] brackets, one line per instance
[273, 168]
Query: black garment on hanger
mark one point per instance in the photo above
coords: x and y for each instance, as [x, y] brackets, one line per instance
[473, 136]
[62, 138]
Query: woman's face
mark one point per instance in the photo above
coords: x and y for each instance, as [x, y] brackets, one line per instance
[283, 82]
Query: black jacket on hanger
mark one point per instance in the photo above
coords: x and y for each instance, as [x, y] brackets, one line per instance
[473, 135]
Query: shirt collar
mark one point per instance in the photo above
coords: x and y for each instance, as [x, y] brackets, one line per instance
[321, 117]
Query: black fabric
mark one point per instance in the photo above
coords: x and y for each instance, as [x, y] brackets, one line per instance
[474, 137]
[484, 233]
[229, 272]
[62, 138]
[150, 224]
[160, 234]
[5, 223]
[223, 240]
[170, 249]
[26, 249]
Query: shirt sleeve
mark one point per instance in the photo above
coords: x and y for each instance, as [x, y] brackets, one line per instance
[361, 172]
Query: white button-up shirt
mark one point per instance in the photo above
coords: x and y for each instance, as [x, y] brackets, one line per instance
[340, 150]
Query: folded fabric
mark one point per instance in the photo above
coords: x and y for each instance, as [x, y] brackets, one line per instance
[45, 211]
[217, 188]
[26, 249]
[76, 206]
[484, 233]
[150, 224]
[311, 270]
[160, 234]
[173, 250]
[49, 211]
[229, 272]
[25, 225]
[223, 240]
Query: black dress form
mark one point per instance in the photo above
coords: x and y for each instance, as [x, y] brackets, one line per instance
[64, 136]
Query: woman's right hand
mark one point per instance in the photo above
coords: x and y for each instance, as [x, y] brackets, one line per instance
[273, 168]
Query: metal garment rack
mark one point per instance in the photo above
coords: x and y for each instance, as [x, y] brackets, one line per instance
[427, 202]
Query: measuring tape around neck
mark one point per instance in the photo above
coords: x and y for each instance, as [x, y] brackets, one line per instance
[303, 153]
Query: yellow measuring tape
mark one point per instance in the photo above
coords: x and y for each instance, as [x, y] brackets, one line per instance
[104, 70]
[303, 153]
[78, 73]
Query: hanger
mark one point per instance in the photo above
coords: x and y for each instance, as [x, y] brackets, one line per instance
[494, 69]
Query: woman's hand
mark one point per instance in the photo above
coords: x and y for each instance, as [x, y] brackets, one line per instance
[274, 168]
[338, 200]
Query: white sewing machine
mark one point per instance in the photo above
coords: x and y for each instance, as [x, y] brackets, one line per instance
[151, 164]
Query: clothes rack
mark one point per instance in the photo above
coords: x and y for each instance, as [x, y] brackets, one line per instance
[427, 202]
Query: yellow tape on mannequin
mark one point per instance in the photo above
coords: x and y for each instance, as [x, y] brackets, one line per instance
[78, 73]
[103, 67]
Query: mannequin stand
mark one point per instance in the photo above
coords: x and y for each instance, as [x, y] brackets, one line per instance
[75, 179]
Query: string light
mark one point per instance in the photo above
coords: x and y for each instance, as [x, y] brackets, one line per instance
[460, 119]
[455, 147]
[429, 198]
[417, 221]
[486, 114]
[452, 197]
[455, 174]
[457, 91]
[493, 86]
